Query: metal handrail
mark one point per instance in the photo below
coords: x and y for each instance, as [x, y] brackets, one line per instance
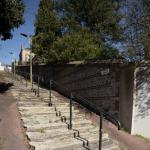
[85, 103]
[90, 106]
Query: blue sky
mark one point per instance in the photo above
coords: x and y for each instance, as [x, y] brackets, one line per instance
[14, 44]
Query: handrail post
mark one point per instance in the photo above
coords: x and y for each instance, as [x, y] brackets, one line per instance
[70, 124]
[100, 130]
[50, 93]
[32, 83]
[26, 80]
[38, 94]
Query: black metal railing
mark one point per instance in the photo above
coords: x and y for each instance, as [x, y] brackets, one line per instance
[78, 99]
[90, 106]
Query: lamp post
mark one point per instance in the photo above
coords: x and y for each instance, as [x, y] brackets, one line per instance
[14, 63]
[29, 37]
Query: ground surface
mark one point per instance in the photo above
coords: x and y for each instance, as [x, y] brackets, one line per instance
[130, 142]
[11, 132]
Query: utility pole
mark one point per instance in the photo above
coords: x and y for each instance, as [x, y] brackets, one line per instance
[29, 37]
[31, 76]
[13, 63]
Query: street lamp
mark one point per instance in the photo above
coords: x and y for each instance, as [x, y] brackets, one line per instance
[29, 37]
[13, 62]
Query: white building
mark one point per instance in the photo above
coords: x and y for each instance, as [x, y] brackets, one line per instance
[1, 67]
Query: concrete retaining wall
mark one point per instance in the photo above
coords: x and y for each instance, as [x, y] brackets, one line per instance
[97, 82]
[141, 101]
[134, 108]
[122, 89]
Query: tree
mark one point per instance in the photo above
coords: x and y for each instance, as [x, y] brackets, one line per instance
[76, 30]
[99, 16]
[132, 30]
[47, 27]
[76, 46]
[11, 16]
[137, 30]
[145, 27]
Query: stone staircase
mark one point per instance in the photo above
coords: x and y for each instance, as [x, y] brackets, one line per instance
[47, 127]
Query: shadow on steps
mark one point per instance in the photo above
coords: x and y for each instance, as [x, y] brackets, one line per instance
[5, 86]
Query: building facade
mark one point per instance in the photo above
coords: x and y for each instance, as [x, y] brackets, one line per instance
[24, 55]
[1, 67]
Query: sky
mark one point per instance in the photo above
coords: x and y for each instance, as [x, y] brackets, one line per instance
[14, 44]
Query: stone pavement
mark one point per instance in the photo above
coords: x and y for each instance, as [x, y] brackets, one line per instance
[11, 131]
[46, 131]
[46, 127]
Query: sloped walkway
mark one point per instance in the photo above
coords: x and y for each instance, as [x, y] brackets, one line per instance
[26, 107]
[47, 130]
[131, 142]
[11, 131]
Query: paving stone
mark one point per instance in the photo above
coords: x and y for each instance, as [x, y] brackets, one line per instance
[46, 131]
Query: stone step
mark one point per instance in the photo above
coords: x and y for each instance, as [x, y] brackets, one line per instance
[44, 94]
[39, 127]
[29, 115]
[45, 129]
[41, 137]
[89, 128]
[45, 135]
[59, 104]
[36, 108]
[31, 98]
[51, 121]
[47, 110]
[23, 93]
[60, 108]
[48, 119]
[39, 112]
[65, 144]
[41, 121]
[32, 105]
[107, 143]
[34, 127]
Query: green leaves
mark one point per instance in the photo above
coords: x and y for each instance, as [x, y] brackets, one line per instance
[46, 18]
[76, 46]
[71, 30]
[100, 16]
[11, 16]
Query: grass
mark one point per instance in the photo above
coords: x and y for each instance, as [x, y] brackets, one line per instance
[122, 148]
[142, 137]
[1, 143]
[41, 130]
[125, 130]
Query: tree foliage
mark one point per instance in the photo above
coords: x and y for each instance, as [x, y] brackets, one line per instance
[100, 16]
[47, 28]
[137, 30]
[76, 29]
[145, 34]
[76, 46]
[11, 16]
